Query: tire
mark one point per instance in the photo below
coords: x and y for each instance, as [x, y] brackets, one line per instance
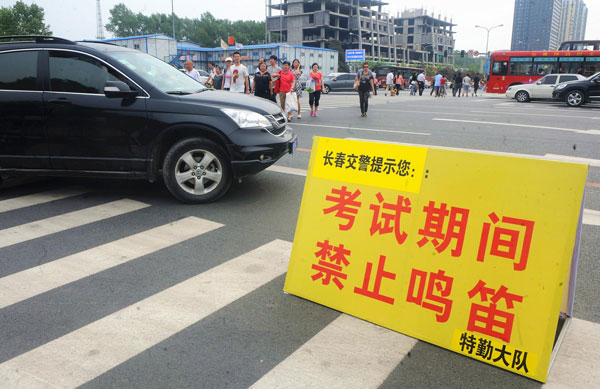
[575, 98]
[326, 89]
[181, 177]
[522, 96]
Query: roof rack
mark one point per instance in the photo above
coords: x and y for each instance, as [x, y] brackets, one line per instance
[98, 41]
[36, 39]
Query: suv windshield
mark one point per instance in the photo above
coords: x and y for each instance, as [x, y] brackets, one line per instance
[160, 74]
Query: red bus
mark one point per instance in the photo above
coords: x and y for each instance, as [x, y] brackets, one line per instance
[509, 68]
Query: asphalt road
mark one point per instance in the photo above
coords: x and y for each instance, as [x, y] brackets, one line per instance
[82, 302]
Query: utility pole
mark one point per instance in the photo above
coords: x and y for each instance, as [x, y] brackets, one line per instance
[99, 28]
[173, 18]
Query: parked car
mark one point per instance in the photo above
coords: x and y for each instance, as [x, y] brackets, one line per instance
[339, 82]
[541, 89]
[577, 93]
[96, 109]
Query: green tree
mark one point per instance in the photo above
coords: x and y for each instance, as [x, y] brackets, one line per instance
[470, 64]
[123, 22]
[206, 31]
[22, 19]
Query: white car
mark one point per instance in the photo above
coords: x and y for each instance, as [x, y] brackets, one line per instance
[541, 89]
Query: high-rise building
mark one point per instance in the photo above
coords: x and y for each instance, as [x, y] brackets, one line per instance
[536, 25]
[574, 19]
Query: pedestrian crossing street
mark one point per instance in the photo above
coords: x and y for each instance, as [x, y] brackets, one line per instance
[108, 342]
[347, 100]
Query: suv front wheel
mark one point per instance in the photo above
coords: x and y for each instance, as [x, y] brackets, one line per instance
[575, 98]
[197, 170]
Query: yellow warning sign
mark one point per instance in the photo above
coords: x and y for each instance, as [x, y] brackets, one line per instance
[464, 250]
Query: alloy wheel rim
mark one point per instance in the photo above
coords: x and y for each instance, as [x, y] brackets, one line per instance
[521, 96]
[575, 98]
[198, 172]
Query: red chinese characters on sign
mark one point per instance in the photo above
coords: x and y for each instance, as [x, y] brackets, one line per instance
[489, 320]
[381, 273]
[329, 268]
[433, 231]
[346, 206]
[382, 220]
[505, 241]
[439, 286]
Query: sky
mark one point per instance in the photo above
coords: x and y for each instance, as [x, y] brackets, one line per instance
[76, 19]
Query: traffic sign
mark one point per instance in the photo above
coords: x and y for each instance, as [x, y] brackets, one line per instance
[355, 55]
[454, 248]
[475, 53]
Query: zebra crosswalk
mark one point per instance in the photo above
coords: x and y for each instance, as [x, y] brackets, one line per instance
[272, 340]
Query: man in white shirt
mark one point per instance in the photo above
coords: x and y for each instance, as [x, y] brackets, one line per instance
[421, 82]
[466, 84]
[239, 75]
[389, 82]
[190, 71]
[437, 82]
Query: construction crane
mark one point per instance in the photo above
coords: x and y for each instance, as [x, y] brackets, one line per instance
[99, 28]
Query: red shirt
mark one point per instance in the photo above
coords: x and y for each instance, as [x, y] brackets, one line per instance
[317, 80]
[443, 81]
[285, 80]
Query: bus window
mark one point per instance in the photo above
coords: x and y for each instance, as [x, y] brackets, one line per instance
[520, 66]
[545, 65]
[592, 66]
[570, 64]
[500, 68]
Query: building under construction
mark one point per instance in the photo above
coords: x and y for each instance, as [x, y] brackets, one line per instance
[356, 24]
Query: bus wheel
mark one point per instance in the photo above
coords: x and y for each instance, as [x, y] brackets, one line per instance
[522, 96]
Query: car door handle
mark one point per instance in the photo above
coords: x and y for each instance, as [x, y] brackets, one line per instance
[60, 101]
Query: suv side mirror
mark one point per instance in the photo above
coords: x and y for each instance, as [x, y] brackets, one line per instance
[335, 79]
[538, 83]
[115, 89]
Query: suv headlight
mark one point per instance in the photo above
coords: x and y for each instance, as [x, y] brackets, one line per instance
[247, 119]
[561, 86]
[509, 88]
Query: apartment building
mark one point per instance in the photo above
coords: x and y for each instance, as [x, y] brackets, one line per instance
[424, 38]
[357, 24]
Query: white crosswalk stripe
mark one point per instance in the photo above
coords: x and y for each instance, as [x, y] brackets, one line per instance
[577, 364]
[38, 198]
[84, 354]
[31, 282]
[38, 229]
[345, 354]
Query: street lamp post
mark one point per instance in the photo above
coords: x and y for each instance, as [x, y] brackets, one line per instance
[487, 41]
[173, 18]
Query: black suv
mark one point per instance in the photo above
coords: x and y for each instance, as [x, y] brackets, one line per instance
[577, 93]
[97, 109]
